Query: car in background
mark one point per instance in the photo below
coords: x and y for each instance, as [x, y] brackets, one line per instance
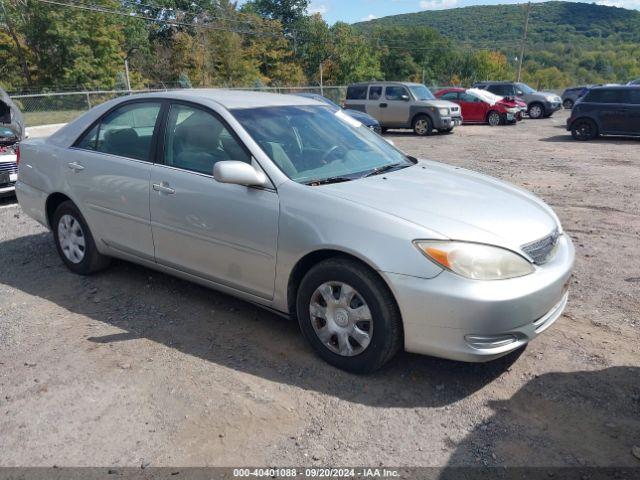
[634, 82]
[404, 105]
[367, 120]
[481, 106]
[608, 110]
[12, 131]
[571, 95]
[283, 202]
[539, 104]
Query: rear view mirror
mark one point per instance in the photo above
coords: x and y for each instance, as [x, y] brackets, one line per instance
[239, 173]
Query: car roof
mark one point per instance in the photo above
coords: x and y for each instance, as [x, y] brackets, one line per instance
[385, 82]
[232, 99]
[498, 82]
[617, 87]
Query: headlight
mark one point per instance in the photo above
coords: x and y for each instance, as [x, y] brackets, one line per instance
[474, 260]
[444, 112]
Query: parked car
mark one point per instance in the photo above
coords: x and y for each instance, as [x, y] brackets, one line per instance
[539, 104]
[362, 117]
[571, 95]
[610, 110]
[11, 132]
[283, 202]
[481, 106]
[634, 82]
[404, 105]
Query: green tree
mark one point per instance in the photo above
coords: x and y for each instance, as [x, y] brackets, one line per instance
[288, 12]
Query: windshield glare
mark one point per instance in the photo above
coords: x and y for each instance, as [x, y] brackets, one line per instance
[525, 88]
[312, 143]
[421, 92]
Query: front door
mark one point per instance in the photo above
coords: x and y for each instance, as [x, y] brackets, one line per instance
[108, 173]
[474, 109]
[220, 232]
[395, 108]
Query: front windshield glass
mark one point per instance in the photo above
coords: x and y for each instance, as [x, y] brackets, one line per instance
[421, 92]
[525, 88]
[313, 144]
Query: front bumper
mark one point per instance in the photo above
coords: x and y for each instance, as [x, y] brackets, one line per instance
[551, 107]
[476, 321]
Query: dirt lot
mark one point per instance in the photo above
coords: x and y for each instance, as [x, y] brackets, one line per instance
[131, 367]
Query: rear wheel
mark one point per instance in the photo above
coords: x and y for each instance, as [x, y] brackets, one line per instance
[568, 104]
[74, 241]
[348, 315]
[422, 125]
[536, 110]
[584, 129]
[494, 118]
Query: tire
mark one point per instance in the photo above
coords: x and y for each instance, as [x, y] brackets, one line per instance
[494, 118]
[422, 125]
[536, 110]
[445, 130]
[568, 104]
[336, 335]
[584, 129]
[74, 241]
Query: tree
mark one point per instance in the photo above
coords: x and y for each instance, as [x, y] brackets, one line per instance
[288, 12]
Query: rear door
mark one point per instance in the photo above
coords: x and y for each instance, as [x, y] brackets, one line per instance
[610, 109]
[357, 98]
[396, 107]
[220, 232]
[375, 100]
[108, 171]
[632, 108]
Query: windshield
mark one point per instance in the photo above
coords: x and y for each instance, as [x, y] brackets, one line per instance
[526, 89]
[421, 92]
[313, 144]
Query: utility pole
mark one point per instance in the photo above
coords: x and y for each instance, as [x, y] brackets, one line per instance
[524, 41]
[321, 85]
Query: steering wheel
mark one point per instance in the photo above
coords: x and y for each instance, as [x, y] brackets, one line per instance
[332, 151]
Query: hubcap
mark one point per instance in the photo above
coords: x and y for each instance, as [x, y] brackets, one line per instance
[341, 318]
[536, 111]
[494, 119]
[71, 238]
[421, 127]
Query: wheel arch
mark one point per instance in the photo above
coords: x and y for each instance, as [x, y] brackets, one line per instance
[421, 113]
[52, 203]
[308, 261]
[490, 111]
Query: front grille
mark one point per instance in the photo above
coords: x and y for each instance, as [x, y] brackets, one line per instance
[540, 251]
[455, 109]
[10, 167]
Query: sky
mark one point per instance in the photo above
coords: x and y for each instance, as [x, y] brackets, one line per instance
[358, 10]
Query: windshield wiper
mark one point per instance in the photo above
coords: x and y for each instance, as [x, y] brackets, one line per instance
[324, 181]
[384, 168]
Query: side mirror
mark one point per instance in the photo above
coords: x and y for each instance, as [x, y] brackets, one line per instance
[519, 92]
[405, 97]
[238, 173]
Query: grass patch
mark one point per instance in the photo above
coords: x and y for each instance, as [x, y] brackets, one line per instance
[33, 119]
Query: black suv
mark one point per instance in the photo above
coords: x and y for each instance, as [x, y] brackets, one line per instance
[539, 104]
[613, 110]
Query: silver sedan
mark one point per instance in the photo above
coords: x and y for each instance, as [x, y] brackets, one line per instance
[287, 204]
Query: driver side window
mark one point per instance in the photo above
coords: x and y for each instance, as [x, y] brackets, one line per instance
[395, 93]
[196, 140]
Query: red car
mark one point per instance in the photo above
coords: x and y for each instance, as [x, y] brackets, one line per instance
[480, 106]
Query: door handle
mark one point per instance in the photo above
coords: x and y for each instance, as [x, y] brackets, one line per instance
[163, 188]
[383, 105]
[75, 166]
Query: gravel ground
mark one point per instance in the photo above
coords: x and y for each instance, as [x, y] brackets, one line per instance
[131, 367]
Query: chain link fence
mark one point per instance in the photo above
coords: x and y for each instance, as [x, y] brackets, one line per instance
[62, 107]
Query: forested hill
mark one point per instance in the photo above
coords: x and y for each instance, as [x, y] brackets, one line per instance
[568, 42]
[497, 25]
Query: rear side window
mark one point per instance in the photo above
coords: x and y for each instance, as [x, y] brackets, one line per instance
[375, 93]
[126, 131]
[450, 96]
[357, 92]
[633, 96]
[606, 96]
[502, 90]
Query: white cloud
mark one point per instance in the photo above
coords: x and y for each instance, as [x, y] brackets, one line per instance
[371, 16]
[631, 4]
[437, 4]
[318, 8]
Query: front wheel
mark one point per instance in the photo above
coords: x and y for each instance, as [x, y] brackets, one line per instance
[584, 129]
[74, 241]
[494, 118]
[348, 315]
[422, 126]
[536, 111]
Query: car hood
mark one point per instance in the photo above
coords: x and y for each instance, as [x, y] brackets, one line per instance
[455, 203]
[436, 103]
